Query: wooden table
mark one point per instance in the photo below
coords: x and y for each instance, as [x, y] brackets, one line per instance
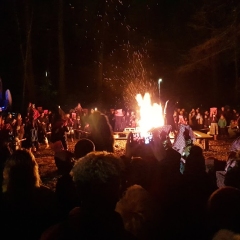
[203, 137]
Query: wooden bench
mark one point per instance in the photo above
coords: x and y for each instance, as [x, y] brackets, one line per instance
[124, 135]
[203, 137]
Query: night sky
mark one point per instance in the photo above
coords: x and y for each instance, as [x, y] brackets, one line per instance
[102, 52]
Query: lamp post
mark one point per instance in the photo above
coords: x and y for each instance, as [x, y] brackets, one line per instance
[159, 82]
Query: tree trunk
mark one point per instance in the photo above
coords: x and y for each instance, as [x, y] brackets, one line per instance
[100, 72]
[101, 54]
[28, 88]
[61, 52]
[237, 80]
[214, 76]
[236, 65]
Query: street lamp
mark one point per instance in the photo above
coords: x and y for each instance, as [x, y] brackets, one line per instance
[159, 82]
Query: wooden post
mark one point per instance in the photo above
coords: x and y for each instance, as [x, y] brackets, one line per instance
[206, 144]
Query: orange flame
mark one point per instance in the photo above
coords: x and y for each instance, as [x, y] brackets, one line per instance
[151, 115]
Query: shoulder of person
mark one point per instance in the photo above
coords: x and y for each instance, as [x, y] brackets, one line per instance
[55, 232]
[60, 231]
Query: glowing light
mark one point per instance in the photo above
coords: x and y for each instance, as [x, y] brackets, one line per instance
[151, 115]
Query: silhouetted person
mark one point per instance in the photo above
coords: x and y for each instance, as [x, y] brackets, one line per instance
[65, 188]
[83, 147]
[97, 177]
[224, 210]
[28, 207]
[101, 132]
[139, 212]
[59, 130]
[197, 188]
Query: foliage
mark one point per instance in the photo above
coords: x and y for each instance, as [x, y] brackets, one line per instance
[218, 24]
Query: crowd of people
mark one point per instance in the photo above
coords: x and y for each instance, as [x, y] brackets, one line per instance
[38, 125]
[158, 190]
[224, 122]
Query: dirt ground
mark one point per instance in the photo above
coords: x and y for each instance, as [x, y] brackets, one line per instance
[218, 149]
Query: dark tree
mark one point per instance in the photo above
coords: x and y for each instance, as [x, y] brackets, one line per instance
[218, 28]
[24, 18]
[61, 51]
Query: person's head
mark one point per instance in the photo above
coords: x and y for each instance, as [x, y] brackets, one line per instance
[195, 162]
[57, 118]
[138, 211]
[224, 209]
[101, 132]
[232, 177]
[74, 116]
[64, 161]
[97, 177]
[20, 172]
[83, 147]
[222, 116]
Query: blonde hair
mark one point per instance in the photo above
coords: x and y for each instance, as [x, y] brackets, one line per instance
[100, 165]
[20, 172]
[97, 177]
[137, 209]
